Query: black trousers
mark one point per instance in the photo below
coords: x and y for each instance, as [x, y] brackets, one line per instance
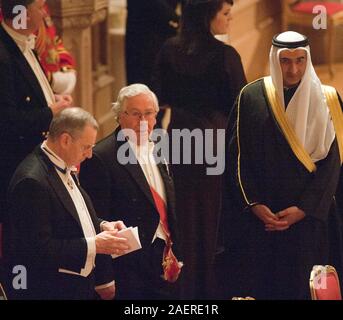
[139, 276]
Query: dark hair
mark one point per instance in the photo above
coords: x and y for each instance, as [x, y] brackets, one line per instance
[8, 5]
[196, 18]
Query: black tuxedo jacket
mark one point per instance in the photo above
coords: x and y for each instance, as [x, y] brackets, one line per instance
[44, 233]
[24, 113]
[121, 192]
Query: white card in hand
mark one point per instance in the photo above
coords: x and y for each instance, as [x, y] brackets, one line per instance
[131, 234]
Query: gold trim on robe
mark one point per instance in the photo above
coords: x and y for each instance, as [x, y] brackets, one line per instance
[336, 115]
[239, 146]
[289, 133]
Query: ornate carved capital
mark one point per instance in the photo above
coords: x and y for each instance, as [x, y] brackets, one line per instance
[77, 13]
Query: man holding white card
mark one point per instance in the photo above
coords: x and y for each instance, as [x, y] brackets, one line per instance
[52, 231]
[139, 192]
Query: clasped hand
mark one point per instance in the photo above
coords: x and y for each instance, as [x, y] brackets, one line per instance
[280, 221]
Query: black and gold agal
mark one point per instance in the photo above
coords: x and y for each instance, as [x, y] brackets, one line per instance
[279, 42]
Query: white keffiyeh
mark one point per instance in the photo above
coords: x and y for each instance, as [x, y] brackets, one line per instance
[307, 111]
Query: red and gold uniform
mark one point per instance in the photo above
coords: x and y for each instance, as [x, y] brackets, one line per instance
[58, 64]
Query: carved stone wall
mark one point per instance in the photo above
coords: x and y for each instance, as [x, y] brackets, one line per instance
[117, 26]
[83, 25]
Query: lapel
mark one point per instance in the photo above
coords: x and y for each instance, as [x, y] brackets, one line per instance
[134, 170]
[138, 176]
[57, 185]
[170, 194]
[167, 181]
[23, 65]
[90, 208]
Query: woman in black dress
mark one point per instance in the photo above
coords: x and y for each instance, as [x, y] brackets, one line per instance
[199, 77]
[149, 24]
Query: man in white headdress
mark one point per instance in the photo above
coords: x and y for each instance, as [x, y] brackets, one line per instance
[284, 160]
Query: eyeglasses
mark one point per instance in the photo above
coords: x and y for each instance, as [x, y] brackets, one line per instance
[83, 148]
[87, 148]
[138, 115]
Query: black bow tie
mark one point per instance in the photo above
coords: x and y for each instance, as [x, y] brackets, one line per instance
[64, 171]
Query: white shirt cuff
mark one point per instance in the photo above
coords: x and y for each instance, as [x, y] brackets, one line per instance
[90, 261]
[106, 285]
[91, 251]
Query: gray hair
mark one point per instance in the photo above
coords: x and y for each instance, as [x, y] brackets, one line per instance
[131, 91]
[71, 121]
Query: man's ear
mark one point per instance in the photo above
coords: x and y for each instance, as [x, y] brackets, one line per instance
[65, 140]
[119, 119]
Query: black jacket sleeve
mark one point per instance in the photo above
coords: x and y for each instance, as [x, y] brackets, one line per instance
[32, 231]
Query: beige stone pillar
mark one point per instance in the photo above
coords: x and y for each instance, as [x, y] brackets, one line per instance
[83, 24]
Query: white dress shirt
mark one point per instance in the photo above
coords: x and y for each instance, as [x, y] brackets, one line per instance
[146, 159]
[81, 208]
[26, 44]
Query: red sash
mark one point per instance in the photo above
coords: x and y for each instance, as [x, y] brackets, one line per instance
[171, 266]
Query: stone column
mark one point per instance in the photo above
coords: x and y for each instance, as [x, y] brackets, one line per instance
[83, 25]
